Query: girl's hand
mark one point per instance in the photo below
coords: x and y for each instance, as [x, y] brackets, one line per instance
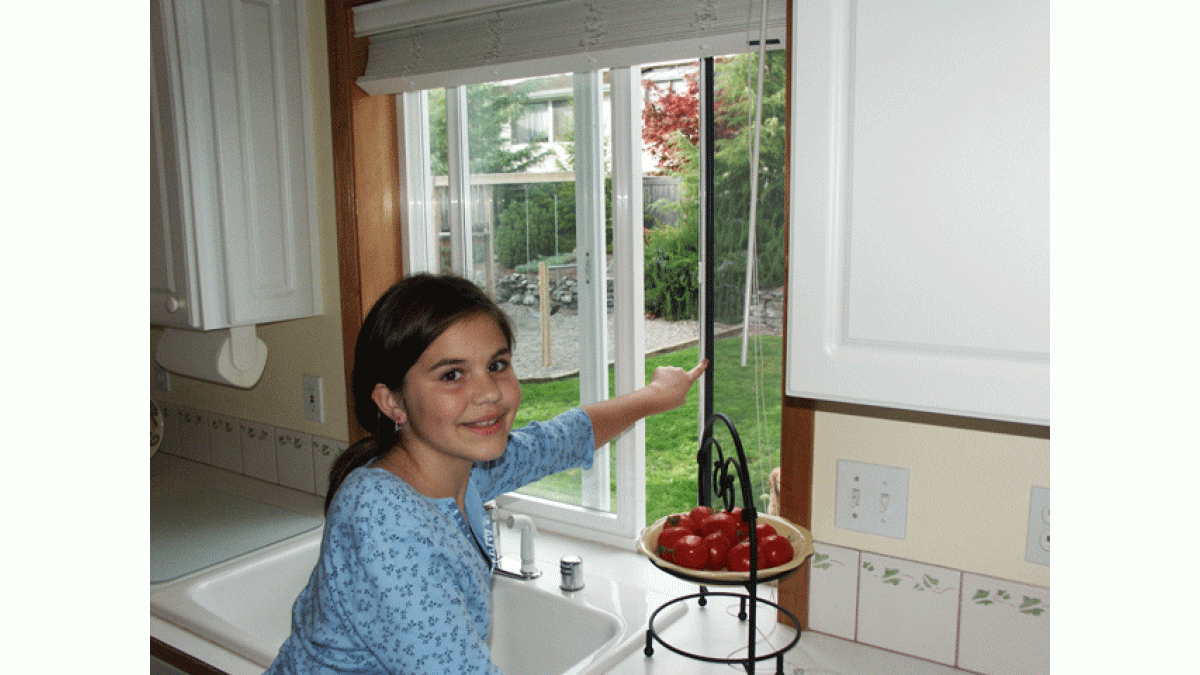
[670, 385]
[667, 390]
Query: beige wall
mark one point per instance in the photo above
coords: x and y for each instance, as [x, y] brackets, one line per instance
[969, 485]
[301, 347]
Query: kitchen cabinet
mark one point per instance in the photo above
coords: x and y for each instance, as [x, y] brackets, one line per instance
[233, 238]
[919, 231]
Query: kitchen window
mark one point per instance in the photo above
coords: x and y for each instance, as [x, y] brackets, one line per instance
[525, 219]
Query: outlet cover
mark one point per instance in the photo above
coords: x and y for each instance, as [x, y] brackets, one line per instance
[1037, 535]
[314, 405]
[872, 498]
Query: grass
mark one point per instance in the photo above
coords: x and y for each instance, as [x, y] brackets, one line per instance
[672, 438]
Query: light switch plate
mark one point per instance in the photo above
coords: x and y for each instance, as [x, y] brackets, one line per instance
[872, 498]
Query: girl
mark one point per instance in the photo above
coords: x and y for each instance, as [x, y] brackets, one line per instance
[403, 582]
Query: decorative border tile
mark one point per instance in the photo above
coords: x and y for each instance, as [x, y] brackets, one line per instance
[325, 450]
[1004, 627]
[833, 590]
[225, 442]
[193, 435]
[293, 452]
[909, 607]
[290, 458]
[258, 451]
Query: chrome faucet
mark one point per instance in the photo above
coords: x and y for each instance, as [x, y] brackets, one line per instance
[528, 568]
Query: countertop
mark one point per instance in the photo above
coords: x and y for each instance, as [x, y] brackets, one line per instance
[713, 630]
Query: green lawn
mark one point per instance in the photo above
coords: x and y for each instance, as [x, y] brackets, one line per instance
[672, 439]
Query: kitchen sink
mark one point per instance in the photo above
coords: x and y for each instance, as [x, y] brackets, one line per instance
[244, 605]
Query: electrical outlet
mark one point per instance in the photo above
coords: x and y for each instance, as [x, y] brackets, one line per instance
[872, 498]
[314, 406]
[1037, 535]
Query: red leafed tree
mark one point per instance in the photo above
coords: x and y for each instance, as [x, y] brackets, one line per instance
[667, 112]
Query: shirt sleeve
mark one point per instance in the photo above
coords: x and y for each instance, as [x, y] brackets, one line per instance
[402, 589]
[537, 450]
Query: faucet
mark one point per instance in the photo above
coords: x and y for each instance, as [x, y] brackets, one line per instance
[529, 569]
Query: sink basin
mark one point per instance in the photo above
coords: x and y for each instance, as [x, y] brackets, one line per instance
[245, 606]
[539, 633]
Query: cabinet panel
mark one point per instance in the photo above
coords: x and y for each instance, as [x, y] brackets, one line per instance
[919, 262]
[244, 173]
[172, 299]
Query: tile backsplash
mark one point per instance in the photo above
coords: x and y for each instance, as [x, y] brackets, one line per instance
[972, 622]
[289, 458]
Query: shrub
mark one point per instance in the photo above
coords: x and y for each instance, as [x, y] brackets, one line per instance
[672, 264]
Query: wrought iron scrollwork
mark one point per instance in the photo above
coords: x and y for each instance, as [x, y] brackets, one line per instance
[724, 471]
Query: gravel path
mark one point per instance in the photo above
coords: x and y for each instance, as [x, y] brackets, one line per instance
[564, 341]
[661, 336]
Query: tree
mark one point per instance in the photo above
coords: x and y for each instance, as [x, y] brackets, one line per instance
[671, 130]
[668, 114]
[491, 109]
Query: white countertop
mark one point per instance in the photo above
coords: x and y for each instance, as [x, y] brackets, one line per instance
[713, 630]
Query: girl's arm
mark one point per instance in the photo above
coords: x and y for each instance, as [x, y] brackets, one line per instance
[667, 390]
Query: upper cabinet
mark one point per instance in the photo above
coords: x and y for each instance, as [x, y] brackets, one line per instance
[233, 237]
[919, 269]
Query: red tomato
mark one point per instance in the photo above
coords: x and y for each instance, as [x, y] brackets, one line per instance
[776, 549]
[743, 527]
[763, 530]
[699, 513]
[668, 539]
[718, 550]
[719, 522]
[739, 557]
[681, 520]
[690, 552]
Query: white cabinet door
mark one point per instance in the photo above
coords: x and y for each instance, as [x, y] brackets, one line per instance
[234, 237]
[919, 234]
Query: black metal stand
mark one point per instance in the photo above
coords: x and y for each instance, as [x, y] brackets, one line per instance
[724, 470]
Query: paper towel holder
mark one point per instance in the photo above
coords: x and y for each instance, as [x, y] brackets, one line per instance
[233, 356]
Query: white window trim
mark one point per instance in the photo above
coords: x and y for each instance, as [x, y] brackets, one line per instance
[420, 242]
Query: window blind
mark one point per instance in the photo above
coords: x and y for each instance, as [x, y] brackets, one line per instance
[491, 40]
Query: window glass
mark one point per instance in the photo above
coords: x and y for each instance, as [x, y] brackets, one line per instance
[749, 394]
[523, 240]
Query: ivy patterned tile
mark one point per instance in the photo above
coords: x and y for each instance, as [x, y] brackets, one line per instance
[225, 442]
[1005, 627]
[193, 435]
[324, 451]
[293, 452]
[258, 451]
[908, 607]
[833, 590]
[172, 431]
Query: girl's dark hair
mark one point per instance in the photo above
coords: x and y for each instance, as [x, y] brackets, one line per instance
[403, 323]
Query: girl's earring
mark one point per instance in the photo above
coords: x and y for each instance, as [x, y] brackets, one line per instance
[398, 425]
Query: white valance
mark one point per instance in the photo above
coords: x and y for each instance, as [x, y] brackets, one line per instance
[416, 44]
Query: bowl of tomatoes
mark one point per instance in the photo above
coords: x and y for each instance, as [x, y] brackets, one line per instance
[713, 547]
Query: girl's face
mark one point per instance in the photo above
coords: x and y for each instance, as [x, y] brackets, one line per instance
[461, 396]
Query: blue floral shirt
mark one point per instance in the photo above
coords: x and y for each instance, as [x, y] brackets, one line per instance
[403, 583]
